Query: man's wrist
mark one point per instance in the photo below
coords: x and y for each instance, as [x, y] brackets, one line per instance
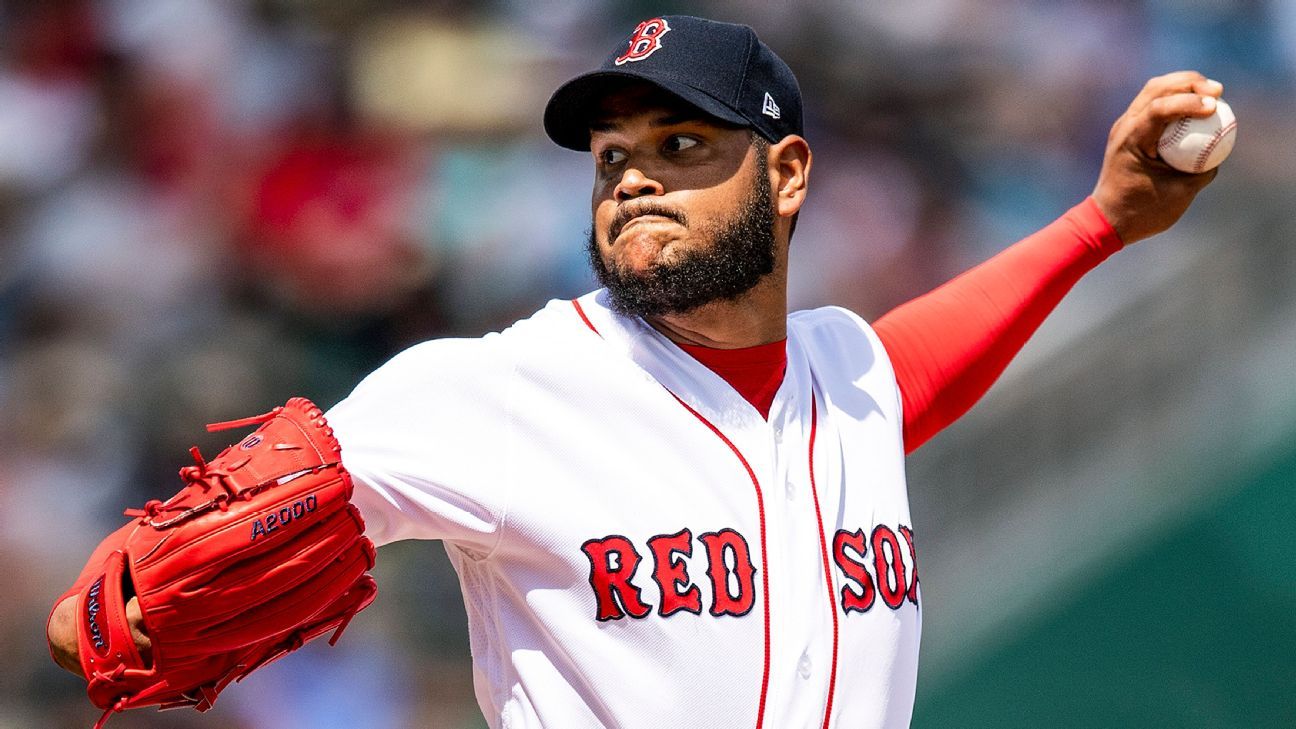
[61, 634]
[1096, 226]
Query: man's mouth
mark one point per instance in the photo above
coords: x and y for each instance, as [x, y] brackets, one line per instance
[643, 218]
[646, 219]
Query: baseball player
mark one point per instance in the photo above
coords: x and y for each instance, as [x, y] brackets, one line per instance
[670, 502]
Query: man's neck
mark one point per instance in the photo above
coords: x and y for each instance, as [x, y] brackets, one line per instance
[757, 317]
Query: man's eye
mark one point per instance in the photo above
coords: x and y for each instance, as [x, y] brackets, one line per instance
[679, 143]
[612, 157]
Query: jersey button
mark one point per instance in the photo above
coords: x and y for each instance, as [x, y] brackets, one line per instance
[803, 666]
[791, 490]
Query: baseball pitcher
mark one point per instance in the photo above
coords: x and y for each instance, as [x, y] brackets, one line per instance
[670, 502]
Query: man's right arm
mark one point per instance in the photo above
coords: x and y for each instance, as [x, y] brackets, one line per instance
[950, 345]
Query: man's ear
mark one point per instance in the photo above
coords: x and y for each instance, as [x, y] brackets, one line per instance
[789, 167]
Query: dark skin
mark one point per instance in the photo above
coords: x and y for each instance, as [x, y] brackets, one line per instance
[62, 633]
[647, 144]
[1138, 193]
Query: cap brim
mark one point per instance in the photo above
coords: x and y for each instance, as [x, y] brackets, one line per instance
[570, 110]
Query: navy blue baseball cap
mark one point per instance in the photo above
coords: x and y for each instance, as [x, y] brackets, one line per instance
[721, 68]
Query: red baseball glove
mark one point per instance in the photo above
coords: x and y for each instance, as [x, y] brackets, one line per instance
[260, 552]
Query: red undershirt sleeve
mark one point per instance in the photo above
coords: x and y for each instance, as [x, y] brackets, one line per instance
[950, 345]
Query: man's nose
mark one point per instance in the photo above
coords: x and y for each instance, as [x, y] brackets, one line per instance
[635, 183]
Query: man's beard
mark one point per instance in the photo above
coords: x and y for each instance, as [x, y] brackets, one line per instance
[740, 254]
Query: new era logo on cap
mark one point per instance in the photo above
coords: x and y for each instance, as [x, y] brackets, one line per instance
[723, 69]
[769, 108]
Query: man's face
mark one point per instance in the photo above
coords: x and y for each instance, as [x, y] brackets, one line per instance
[682, 209]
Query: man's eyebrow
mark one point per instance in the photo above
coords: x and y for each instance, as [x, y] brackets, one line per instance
[679, 117]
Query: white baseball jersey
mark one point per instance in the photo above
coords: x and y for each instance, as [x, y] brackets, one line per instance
[637, 545]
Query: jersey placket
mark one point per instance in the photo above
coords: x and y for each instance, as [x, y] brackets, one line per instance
[802, 640]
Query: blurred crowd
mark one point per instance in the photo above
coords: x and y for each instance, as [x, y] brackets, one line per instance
[208, 206]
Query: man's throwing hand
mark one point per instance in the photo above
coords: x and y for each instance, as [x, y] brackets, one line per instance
[1139, 193]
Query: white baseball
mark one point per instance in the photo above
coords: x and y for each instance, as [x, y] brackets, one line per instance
[1199, 144]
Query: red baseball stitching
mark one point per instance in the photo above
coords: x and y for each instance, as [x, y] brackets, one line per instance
[1214, 142]
[1180, 131]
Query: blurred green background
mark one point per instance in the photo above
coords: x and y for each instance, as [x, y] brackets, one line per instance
[208, 206]
[1192, 627]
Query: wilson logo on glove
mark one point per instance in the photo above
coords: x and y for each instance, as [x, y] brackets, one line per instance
[93, 608]
[283, 517]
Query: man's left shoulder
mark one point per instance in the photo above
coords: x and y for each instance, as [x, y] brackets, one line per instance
[845, 358]
[835, 336]
[829, 321]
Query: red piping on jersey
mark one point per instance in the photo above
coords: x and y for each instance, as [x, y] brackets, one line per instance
[581, 313]
[760, 505]
[823, 551]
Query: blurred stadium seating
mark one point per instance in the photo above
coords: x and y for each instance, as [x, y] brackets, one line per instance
[209, 206]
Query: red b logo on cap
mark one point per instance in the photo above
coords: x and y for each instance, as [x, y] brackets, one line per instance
[646, 40]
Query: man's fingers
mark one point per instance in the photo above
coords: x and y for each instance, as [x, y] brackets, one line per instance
[1209, 87]
[135, 617]
[1163, 111]
[1171, 83]
[1186, 185]
[1168, 108]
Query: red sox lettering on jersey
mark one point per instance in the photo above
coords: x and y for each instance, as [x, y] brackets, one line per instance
[621, 520]
[871, 561]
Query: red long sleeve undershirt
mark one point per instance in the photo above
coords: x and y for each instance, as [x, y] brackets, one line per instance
[950, 345]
